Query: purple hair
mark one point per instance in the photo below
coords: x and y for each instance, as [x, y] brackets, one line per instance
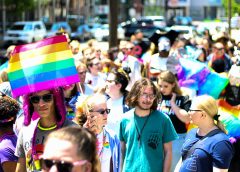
[59, 107]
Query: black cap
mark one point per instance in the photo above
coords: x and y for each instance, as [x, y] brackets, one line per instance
[171, 35]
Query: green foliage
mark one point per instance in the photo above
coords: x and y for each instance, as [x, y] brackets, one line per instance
[235, 6]
[19, 6]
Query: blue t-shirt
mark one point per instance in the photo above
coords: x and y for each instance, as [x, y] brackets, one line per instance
[214, 151]
[145, 155]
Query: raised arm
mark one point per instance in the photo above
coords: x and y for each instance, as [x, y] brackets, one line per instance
[180, 113]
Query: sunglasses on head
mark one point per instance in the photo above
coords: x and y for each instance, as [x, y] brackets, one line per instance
[102, 111]
[45, 98]
[62, 166]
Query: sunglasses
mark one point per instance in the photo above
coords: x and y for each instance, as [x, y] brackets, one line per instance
[62, 166]
[46, 98]
[2, 94]
[219, 49]
[130, 48]
[102, 111]
[96, 64]
[82, 73]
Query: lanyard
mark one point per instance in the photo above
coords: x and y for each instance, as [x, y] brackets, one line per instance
[139, 133]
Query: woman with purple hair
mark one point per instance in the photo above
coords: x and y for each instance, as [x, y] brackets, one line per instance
[44, 112]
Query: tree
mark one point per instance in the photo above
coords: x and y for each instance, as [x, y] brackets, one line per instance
[235, 6]
[18, 7]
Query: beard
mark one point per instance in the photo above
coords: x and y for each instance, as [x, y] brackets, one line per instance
[145, 105]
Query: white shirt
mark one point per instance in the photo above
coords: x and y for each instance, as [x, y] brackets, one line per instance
[104, 148]
[158, 64]
[95, 81]
[88, 89]
[116, 114]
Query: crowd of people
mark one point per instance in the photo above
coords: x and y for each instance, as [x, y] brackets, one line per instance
[127, 113]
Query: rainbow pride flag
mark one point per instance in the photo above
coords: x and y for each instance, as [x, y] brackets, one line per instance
[197, 76]
[230, 117]
[41, 65]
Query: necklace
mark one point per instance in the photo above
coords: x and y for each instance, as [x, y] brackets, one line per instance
[139, 133]
[46, 129]
[35, 155]
[100, 146]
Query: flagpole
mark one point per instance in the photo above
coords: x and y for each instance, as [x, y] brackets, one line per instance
[80, 87]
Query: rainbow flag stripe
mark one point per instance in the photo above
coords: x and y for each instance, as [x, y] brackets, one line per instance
[42, 65]
[197, 76]
[230, 117]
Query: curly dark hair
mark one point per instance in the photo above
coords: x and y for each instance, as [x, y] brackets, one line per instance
[133, 95]
[9, 108]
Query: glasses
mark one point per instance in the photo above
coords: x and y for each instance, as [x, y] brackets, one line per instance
[194, 110]
[219, 49]
[96, 64]
[145, 96]
[2, 94]
[62, 166]
[110, 81]
[102, 111]
[82, 73]
[46, 98]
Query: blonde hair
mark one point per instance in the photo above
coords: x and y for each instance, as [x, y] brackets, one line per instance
[81, 65]
[4, 76]
[170, 78]
[75, 44]
[209, 105]
[85, 105]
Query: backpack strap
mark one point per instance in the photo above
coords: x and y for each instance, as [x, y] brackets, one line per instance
[194, 146]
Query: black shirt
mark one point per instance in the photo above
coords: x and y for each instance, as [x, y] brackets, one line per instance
[182, 102]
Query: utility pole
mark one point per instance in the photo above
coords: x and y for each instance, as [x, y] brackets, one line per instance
[229, 16]
[53, 10]
[166, 10]
[3, 17]
[67, 10]
[113, 22]
[39, 10]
